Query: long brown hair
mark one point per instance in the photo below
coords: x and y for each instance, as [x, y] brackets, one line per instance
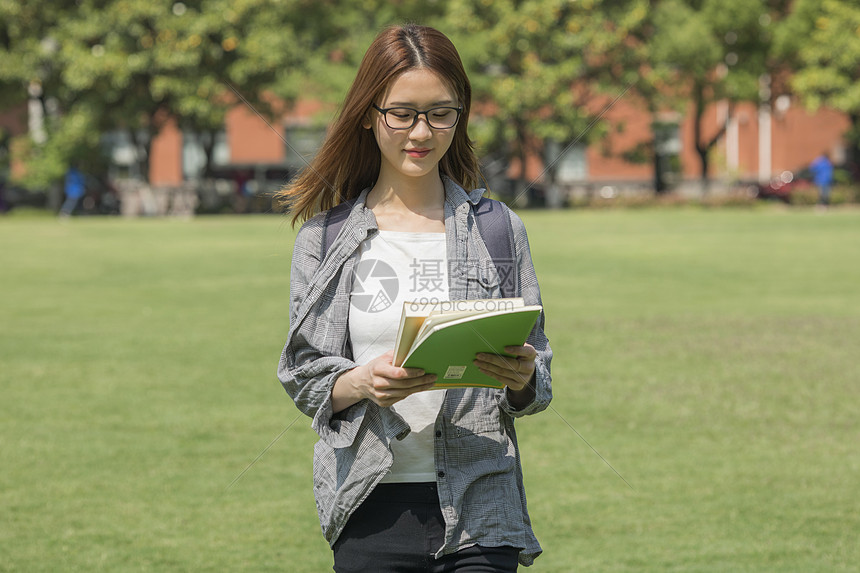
[349, 160]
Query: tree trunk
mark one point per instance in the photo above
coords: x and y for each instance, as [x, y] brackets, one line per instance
[701, 149]
[659, 181]
[703, 160]
[207, 140]
[552, 190]
[657, 158]
[853, 155]
[521, 192]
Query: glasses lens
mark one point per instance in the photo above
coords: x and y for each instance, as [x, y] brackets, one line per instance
[400, 117]
[442, 117]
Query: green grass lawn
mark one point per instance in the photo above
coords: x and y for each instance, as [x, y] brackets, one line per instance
[709, 356]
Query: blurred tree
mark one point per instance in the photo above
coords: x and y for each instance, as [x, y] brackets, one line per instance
[145, 62]
[333, 36]
[134, 64]
[29, 75]
[821, 40]
[539, 65]
[530, 62]
[699, 52]
[626, 66]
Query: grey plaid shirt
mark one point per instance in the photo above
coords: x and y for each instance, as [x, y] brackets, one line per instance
[479, 477]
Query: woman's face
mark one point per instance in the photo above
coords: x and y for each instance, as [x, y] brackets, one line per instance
[416, 151]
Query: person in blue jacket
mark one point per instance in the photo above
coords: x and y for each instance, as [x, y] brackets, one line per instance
[75, 189]
[822, 176]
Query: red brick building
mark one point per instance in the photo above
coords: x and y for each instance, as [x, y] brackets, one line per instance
[757, 144]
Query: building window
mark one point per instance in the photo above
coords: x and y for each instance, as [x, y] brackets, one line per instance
[301, 144]
[667, 147]
[194, 154]
[572, 164]
[122, 153]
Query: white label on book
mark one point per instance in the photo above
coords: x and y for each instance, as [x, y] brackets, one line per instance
[455, 372]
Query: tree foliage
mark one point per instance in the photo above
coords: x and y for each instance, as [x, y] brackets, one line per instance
[332, 37]
[134, 64]
[700, 52]
[530, 62]
[821, 38]
[538, 67]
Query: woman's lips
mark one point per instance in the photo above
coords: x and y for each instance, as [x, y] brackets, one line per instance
[417, 152]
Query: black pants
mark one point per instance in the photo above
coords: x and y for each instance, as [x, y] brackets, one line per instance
[399, 528]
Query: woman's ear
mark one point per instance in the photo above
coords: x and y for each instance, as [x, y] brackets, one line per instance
[365, 121]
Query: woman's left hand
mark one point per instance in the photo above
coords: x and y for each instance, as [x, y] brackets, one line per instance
[515, 373]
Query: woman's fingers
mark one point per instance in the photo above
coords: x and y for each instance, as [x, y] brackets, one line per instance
[525, 351]
[382, 366]
[515, 372]
[387, 391]
[386, 383]
[513, 380]
[505, 365]
[389, 384]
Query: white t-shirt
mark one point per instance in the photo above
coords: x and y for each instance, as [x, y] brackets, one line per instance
[396, 267]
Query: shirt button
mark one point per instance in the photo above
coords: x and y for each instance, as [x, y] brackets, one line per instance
[441, 474]
[438, 433]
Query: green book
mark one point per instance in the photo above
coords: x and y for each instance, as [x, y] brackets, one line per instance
[446, 345]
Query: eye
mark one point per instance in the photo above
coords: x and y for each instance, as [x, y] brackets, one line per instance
[441, 112]
[401, 113]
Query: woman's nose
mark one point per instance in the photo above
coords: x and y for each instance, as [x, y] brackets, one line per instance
[421, 130]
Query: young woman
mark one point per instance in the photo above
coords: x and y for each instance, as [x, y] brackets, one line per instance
[406, 478]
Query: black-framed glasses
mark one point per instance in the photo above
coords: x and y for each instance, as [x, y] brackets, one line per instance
[405, 117]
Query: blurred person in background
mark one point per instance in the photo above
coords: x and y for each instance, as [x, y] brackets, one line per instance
[75, 189]
[822, 176]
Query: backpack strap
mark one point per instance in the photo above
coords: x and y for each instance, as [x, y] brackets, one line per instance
[494, 226]
[334, 220]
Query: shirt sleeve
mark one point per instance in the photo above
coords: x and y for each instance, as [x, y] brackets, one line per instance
[530, 291]
[314, 355]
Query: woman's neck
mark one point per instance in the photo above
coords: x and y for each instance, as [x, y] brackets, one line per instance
[409, 203]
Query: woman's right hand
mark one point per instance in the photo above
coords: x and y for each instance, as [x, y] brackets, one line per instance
[379, 381]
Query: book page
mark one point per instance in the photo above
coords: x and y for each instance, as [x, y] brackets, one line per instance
[410, 327]
[430, 326]
[453, 310]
